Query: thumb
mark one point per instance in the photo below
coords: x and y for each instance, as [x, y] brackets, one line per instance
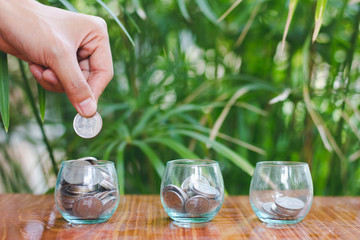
[75, 85]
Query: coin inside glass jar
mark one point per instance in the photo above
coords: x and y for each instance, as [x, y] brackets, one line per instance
[174, 200]
[108, 203]
[88, 207]
[267, 208]
[87, 127]
[86, 190]
[281, 215]
[176, 189]
[284, 208]
[71, 174]
[91, 160]
[192, 179]
[194, 197]
[197, 205]
[80, 189]
[205, 189]
[79, 173]
[289, 203]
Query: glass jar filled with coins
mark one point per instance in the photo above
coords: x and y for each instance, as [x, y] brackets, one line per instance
[86, 190]
[192, 190]
[281, 192]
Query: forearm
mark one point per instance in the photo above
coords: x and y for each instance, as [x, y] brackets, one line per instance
[13, 15]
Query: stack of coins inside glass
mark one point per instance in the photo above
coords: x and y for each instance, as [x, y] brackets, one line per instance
[86, 192]
[284, 208]
[195, 196]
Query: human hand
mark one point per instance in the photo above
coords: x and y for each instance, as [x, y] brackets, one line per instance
[67, 52]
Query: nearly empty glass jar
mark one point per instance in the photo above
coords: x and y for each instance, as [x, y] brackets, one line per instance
[86, 190]
[281, 192]
[192, 190]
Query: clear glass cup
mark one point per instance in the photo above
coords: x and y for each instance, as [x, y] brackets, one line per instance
[281, 192]
[86, 190]
[192, 190]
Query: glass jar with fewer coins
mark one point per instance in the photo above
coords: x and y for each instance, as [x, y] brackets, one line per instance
[192, 190]
[86, 190]
[281, 192]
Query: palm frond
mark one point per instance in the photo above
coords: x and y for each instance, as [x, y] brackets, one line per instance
[292, 7]
[220, 149]
[117, 21]
[227, 12]
[319, 14]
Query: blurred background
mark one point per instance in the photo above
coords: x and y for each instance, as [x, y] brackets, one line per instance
[203, 79]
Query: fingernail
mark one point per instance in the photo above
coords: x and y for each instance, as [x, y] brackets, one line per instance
[36, 73]
[88, 107]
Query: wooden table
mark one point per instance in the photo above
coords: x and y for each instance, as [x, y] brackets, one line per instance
[143, 217]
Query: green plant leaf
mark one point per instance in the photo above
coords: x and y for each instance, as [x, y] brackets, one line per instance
[220, 149]
[117, 21]
[183, 10]
[183, 151]
[233, 6]
[207, 11]
[132, 21]
[4, 91]
[109, 149]
[68, 5]
[37, 116]
[248, 24]
[223, 136]
[139, 10]
[120, 167]
[240, 92]
[320, 9]
[143, 122]
[177, 110]
[324, 132]
[292, 7]
[42, 101]
[154, 159]
[107, 109]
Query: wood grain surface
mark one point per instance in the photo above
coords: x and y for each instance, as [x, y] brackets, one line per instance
[143, 217]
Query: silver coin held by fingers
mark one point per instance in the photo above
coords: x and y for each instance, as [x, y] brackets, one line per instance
[87, 127]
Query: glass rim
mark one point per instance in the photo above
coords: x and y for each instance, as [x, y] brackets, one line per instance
[282, 163]
[197, 162]
[102, 163]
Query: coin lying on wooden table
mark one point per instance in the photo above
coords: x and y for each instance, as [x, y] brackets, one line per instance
[87, 127]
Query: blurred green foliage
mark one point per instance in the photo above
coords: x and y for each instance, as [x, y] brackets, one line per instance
[196, 87]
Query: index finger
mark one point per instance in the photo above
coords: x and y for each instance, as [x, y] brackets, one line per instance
[100, 64]
[75, 85]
